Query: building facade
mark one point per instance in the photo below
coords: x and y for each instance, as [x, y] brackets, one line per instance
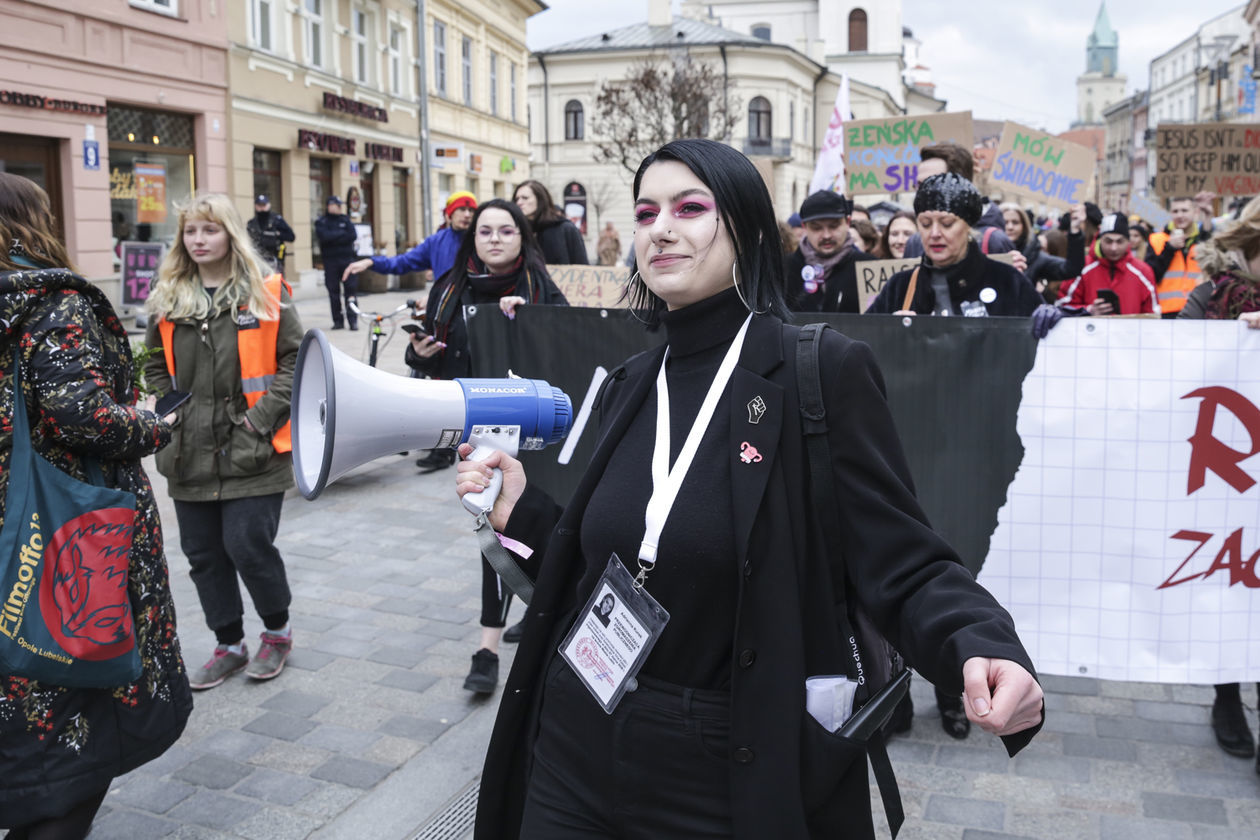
[117, 108]
[326, 100]
[1117, 168]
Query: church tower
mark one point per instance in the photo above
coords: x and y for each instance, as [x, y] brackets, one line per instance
[1100, 86]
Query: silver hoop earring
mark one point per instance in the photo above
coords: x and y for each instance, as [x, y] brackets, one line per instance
[630, 309]
[738, 291]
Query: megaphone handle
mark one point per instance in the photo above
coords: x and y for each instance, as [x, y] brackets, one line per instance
[478, 503]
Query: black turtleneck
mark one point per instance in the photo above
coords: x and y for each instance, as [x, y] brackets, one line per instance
[696, 577]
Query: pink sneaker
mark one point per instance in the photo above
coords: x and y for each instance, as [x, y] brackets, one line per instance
[271, 656]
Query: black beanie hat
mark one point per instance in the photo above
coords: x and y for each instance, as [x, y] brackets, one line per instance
[1114, 223]
[950, 193]
[825, 204]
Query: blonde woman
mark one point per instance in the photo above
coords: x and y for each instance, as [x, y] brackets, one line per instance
[228, 337]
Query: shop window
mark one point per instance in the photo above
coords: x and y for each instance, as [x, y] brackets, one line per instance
[39, 159]
[261, 23]
[402, 210]
[321, 188]
[857, 31]
[573, 128]
[165, 7]
[759, 126]
[267, 178]
[465, 53]
[439, 57]
[151, 156]
[494, 83]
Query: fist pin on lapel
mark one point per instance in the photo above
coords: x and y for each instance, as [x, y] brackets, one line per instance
[756, 410]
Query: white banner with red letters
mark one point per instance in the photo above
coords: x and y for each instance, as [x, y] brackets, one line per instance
[1129, 543]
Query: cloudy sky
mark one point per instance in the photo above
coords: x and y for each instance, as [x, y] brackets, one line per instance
[1000, 59]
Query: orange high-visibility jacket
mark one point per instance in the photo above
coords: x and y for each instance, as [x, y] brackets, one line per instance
[1182, 276]
[257, 352]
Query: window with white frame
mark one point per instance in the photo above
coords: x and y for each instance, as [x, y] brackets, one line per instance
[465, 56]
[361, 46]
[494, 83]
[396, 60]
[261, 23]
[512, 88]
[166, 7]
[439, 57]
[314, 31]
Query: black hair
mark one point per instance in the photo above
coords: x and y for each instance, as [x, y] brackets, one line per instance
[530, 249]
[744, 206]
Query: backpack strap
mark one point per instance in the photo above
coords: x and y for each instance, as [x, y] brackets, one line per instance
[911, 288]
[822, 484]
[984, 240]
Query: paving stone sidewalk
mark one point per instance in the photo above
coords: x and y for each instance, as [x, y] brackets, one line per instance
[369, 733]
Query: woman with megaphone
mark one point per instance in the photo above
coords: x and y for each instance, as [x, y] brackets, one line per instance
[499, 262]
[687, 708]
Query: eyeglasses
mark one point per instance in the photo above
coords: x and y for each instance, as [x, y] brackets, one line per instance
[504, 233]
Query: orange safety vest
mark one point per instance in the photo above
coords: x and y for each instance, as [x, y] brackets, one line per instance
[257, 352]
[1182, 276]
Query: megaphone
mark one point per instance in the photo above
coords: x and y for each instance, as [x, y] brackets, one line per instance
[346, 413]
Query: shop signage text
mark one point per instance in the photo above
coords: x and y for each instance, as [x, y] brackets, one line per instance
[340, 104]
[317, 141]
[31, 100]
[379, 151]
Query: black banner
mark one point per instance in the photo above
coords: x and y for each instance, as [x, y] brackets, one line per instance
[954, 387]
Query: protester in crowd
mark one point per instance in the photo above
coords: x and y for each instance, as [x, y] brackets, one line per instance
[228, 336]
[60, 747]
[1174, 251]
[1081, 224]
[868, 235]
[608, 248]
[892, 242]
[821, 272]
[955, 278]
[436, 252]
[559, 238]
[500, 263]
[336, 235]
[1114, 271]
[990, 227]
[1043, 269]
[794, 222]
[270, 232]
[1231, 264]
[787, 238]
[763, 767]
[1140, 239]
[860, 214]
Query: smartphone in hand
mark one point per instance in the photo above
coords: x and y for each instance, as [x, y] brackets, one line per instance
[170, 401]
[1109, 296]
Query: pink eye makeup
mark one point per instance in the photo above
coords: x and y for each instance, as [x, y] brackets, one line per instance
[645, 214]
[686, 208]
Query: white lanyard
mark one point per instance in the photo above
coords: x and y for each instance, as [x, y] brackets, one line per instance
[666, 482]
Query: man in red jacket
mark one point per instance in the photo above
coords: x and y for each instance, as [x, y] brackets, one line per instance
[1114, 283]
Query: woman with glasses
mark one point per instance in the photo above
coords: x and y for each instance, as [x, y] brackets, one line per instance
[499, 263]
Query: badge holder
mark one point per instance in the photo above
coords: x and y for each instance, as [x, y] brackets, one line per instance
[613, 634]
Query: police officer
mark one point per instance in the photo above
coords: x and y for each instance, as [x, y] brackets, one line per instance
[336, 236]
[270, 232]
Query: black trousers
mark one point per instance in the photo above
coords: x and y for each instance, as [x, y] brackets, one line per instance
[224, 539]
[337, 290]
[658, 766]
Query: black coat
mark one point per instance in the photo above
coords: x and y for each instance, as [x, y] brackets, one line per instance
[839, 294]
[561, 242]
[1015, 293]
[336, 236]
[788, 777]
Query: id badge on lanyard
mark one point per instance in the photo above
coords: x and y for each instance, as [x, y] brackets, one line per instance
[621, 622]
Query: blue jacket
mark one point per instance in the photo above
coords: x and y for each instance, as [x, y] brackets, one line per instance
[437, 252]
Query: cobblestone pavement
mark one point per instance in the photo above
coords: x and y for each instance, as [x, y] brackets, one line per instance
[369, 734]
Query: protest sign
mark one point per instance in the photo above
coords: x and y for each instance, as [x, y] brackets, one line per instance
[1151, 211]
[140, 261]
[882, 156]
[591, 285]
[1041, 167]
[872, 275]
[1216, 157]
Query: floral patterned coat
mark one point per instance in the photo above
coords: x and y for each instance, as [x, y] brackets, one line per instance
[59, 745]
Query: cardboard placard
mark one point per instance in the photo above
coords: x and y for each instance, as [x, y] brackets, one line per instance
[1217, 157]
[140, 261]
[1008, 257]
[1042, 167]
[872, 275]
[591, 285]
[882, 156]
[1151, 211]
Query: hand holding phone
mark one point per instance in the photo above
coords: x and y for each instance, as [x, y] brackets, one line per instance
[170, 401]
[1109, 296]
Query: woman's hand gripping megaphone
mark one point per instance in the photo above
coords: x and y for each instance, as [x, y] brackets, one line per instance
[489, 478]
